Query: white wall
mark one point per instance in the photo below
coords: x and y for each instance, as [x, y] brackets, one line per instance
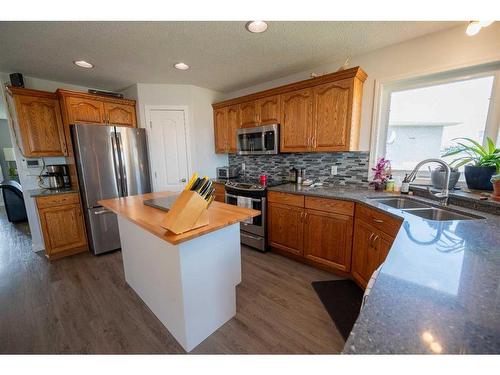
[201, 131]
[441, 51]
[29, 177]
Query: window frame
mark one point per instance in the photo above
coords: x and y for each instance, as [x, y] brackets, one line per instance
[384, 89]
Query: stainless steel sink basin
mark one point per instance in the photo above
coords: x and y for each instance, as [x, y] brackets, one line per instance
[438, 214]
[401, 203]
[424, 210]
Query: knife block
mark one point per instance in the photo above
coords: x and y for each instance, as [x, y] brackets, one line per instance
[189, 211]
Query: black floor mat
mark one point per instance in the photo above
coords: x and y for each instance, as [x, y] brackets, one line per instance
[342, 300]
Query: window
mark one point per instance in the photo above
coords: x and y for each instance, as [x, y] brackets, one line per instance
[421, 117]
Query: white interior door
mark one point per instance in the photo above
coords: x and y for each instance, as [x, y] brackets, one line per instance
[170, 159]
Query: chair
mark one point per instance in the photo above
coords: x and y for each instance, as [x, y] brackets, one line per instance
[14, 201]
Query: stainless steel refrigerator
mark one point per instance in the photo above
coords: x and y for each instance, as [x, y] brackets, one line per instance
[111, 162]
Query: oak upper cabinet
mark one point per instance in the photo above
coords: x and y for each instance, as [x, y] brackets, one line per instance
[38, 122]
[248, 115]
[62, 225]
[119, 114]
[233, 123]
[328, 239]
[296, 120]
[226, 122]
[332, 116]
[321, 114]
[268, 110]
[285, 227]
[85, 111]
[220, 130]
[83, 108]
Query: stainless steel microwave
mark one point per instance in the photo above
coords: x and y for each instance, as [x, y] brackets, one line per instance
[260, 140]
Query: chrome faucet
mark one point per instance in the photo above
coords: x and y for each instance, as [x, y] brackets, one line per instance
[443, 195]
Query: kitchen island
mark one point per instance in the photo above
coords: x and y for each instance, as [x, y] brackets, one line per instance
[187, 280]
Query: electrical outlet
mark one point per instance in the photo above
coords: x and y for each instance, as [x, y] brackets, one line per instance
[333, 170]
[243, 167]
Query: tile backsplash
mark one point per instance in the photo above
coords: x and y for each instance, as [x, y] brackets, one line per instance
[352, 167]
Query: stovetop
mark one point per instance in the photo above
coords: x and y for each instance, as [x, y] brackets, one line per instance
[251, 184]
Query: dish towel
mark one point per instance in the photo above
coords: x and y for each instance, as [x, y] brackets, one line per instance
[246, 203]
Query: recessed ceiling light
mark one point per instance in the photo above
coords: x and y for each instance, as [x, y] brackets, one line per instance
[485, 23]
[181, 66]
[256, 26]
[475, 26]
[83, 64]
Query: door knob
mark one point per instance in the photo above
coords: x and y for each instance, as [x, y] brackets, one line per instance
[183, 180]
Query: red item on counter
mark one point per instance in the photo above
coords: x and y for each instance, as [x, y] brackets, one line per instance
[263, 180]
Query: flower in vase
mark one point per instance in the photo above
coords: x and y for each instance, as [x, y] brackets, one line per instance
[382, 171]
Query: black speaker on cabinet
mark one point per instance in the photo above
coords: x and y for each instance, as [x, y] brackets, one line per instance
[16, 80]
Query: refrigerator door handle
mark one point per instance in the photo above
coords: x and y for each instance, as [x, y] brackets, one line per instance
[102, 212]
[116, 165]
[123, 171]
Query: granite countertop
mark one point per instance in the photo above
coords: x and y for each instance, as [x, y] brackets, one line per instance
[438, 290]
[47, 192]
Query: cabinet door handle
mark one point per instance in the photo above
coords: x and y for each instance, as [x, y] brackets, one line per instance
[370, 239]
[377, 220]
[374, 240]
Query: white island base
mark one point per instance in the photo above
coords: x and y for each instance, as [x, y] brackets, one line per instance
[190, 287]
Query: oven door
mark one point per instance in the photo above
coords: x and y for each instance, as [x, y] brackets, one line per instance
[257, 226]
[261, 140]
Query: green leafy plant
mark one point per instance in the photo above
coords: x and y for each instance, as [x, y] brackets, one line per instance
[476, 154]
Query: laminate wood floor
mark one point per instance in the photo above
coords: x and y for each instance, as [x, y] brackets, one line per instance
[82, 304]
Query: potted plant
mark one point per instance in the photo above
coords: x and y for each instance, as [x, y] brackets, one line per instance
[495, 180]
[438, 176]
[480, 162]
[382, 171]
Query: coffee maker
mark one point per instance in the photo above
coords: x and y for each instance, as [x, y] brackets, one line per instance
[56, 177]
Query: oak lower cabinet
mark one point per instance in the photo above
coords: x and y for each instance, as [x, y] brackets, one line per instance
[374, 233]
[321, 236]
[328, 239]
[62, 224]
[37, 122]
[286, 227]
[220, 192]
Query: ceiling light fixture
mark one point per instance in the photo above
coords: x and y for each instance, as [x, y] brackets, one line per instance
[485, 23]
[256, 26]
[475, 26]
[181, 66]
[83, 64]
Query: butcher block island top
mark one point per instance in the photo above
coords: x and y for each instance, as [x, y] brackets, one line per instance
[133, 209]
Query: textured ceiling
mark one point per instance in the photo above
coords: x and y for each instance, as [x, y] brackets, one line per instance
[223, 56]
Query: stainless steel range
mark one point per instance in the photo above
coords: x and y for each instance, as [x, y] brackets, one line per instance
[251, 195]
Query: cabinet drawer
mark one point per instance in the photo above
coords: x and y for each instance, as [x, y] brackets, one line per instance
[57, 200]
[379, 220]
[330, 205]
[284, 198]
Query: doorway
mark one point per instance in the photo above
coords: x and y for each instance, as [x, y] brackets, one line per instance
[169, 147]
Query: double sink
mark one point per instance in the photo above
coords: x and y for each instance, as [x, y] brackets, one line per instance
[424, 210]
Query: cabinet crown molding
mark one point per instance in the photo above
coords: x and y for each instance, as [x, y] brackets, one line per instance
[355, 72]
